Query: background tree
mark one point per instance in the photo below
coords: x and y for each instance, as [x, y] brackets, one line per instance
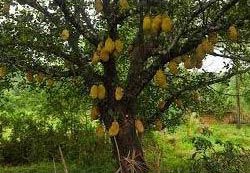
[116, 50]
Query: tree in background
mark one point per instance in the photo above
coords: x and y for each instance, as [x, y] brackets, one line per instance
[119, 49]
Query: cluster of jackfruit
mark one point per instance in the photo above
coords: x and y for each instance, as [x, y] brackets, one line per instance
[65, 35]
[205, 47]
[123, 4]
[98, 92]
[160, 79]
[39, 78]
[114, 129]
[157, 24]
[3, 71]
[233, 33]
[139, 126]
[104, 50]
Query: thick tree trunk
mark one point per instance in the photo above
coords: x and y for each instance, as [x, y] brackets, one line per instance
[127, 148]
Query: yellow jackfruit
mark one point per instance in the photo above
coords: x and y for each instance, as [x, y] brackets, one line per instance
[29, 76]
[119, 92]
[100, 131]
[198, 64]
[139, 126]
[101, 92]
[94, 92]
[95, 113]
[114, 129]
[156, 24]
[100, 46]
[158, 125]
[39, 77]
[233, 33]
[109, 45]
[213, 37]
[3, 71]
[104, 55]
[177, 59]
[199, 52]
[160, 79]
[147, 24]
[50, 82]
[173, 67]
[207, 46]
[65, 34]
[123, 4]
[95, 58]
[118, 45]
[98, 6]
[166, 24]
[187, 62]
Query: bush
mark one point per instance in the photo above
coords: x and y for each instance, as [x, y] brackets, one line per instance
[218, 157]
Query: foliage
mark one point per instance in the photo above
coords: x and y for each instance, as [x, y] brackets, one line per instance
[229, 158]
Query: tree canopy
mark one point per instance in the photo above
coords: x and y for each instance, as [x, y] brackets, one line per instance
[118, 50]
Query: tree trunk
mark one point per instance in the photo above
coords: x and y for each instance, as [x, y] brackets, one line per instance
[127, 148]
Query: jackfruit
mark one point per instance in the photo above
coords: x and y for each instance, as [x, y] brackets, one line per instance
[233, 33]
[161, 104]
[104, 55]
[173, 67]
[166, 24]
[139, 126]
[100, 131]
[213, 37]
[207, 46]
[123, 4]
[95, 58]
[199, 52]
[101, 92]
[187, 62]
[65, 34]
[98, 6]
[50, 82]
[94, 92]
[100, 46]
[109, 45]
[199, 64]
[119, 92]
[118, 45]
[156, 24]
[147, 24]
[160, 79]
[29, 76]
[39, 77]
[3, 71]
[114, 129]
[95, 113]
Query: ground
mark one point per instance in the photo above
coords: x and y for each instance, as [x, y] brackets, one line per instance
[165, 151]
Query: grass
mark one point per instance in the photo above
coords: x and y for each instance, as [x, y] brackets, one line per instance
[164, 152]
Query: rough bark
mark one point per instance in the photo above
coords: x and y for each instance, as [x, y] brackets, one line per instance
[127, 148]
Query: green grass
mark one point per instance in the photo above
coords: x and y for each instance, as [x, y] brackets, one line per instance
[167, 152]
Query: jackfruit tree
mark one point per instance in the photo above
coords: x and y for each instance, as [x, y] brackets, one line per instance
[122, 49]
